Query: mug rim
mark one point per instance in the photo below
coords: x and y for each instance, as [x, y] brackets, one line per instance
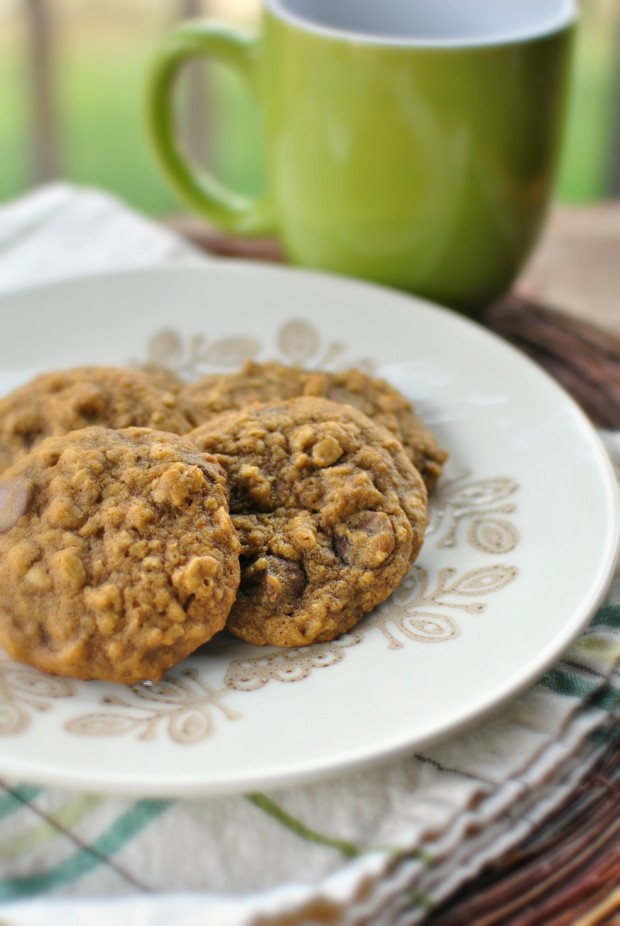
[566, 16]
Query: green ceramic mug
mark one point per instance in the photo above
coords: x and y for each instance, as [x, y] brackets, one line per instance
[409, 142]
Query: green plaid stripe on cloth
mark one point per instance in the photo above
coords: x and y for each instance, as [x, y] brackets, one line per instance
[382, 846]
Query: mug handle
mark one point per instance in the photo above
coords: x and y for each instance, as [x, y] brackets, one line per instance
[204, 193]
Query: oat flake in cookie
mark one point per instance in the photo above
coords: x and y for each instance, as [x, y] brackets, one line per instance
[329, 510]
[272, 382]
[117, 554]
[63, 401]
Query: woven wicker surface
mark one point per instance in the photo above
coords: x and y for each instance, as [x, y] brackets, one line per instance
[581, 356]
[567, 873]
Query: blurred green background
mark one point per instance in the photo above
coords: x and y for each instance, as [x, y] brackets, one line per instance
[72, 76]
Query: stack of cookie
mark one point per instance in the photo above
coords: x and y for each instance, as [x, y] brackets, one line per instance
[139, 516]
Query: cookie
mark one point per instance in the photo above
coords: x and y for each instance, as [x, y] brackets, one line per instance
[163, 378]
[67, 400]
[117, 554]
[377, 399]
[329, 510]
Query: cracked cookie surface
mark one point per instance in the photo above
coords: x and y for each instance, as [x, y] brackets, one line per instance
[67, 400]
[118, 557]
[329, 510]
[377, 399]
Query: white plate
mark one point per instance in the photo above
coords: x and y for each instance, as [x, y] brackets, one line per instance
[522, 544]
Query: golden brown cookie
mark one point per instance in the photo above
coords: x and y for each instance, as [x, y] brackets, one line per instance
[117, 554]
[67, 400]
[163, 378]
[272, 382]
[329, 510]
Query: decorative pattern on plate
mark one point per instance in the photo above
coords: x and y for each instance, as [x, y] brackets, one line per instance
[463, 498]
[296, 342]
[184, 705]
[291, 665]
[24, 690]
[415, 610]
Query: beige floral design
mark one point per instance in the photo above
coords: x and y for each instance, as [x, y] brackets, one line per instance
[478, 501]
[24, 690]
[292, 665]
[417, 611]
[296, 342]
[184, 705]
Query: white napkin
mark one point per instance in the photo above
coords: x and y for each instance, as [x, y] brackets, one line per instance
[59, 231]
